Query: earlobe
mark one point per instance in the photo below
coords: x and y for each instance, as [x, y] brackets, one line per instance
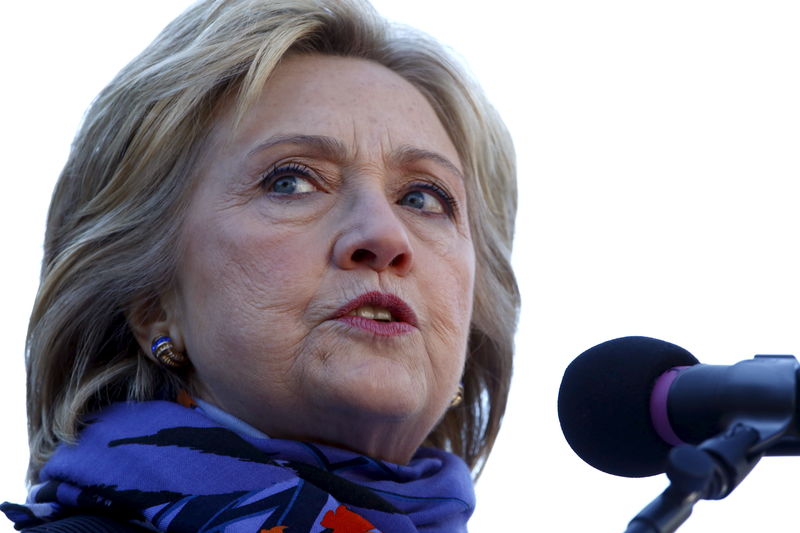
[151, 323]
[165, 352]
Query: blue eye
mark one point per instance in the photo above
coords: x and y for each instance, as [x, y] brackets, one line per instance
[289, 179]
[429, 198]
[423, 201]
[291, 185]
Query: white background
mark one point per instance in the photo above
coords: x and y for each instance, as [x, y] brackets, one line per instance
[659, 156]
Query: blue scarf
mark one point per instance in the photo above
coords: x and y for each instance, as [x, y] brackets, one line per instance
[179, 469]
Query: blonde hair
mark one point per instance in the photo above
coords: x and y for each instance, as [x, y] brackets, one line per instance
[112, 245]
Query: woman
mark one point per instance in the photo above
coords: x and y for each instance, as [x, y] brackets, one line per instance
[276, 290]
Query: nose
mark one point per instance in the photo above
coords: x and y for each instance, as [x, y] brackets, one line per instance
[374, 238]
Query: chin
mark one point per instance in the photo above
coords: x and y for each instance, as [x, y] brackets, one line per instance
[398, 399]
[388, 393]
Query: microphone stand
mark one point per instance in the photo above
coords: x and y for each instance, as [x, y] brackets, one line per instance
[764, 419]
[709, 471]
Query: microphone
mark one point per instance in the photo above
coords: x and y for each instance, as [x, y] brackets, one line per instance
[625, 403]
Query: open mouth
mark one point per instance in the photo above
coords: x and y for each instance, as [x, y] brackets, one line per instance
[381, 314]
[379, 307]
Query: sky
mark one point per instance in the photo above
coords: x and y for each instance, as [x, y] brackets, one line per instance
[658, 150]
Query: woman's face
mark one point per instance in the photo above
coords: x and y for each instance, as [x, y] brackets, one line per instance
[326, 289]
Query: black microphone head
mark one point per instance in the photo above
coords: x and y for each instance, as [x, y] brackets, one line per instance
[604, 404]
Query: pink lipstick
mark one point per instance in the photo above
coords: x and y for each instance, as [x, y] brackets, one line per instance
[379, 313]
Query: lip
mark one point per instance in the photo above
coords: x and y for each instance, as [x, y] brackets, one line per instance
[405, 320]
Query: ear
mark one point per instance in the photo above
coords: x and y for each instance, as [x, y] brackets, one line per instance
[153, 318]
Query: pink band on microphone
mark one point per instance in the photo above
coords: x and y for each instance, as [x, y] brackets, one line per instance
[658, 406]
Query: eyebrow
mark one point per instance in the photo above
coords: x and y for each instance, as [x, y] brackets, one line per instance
[327, 147]
[404, 155]
[335, 150]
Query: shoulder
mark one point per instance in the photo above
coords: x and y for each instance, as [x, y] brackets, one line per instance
[85, 524]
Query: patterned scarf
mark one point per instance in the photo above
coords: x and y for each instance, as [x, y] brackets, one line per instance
[178, 469]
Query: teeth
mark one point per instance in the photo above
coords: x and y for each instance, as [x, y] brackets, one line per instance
[373, 313]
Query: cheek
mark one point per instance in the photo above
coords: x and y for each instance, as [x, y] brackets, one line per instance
[448, 292]
[241, 284]
[459, 292]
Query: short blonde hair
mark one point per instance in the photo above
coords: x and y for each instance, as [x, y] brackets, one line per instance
[112, 243]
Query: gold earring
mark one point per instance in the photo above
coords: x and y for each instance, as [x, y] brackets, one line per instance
[164, 351]
[459, 396]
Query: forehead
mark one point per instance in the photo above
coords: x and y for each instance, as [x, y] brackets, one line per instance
[357, 101]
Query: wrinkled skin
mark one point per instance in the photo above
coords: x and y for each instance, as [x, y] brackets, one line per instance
[340, 181]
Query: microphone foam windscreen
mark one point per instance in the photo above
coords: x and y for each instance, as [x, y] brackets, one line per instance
[604, 404]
